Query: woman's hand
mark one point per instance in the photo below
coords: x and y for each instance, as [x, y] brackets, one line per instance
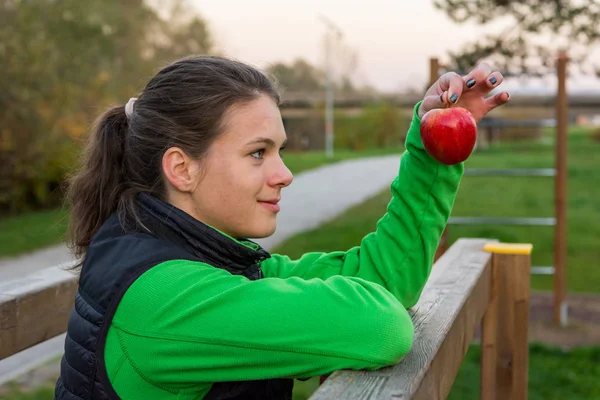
[468, 92]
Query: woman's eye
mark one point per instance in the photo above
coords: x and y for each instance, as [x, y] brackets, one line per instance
[258, 154]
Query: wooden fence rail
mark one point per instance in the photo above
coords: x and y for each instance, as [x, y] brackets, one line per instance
[35, 308]
[475, 283]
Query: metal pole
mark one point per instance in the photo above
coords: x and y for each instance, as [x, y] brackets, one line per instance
[560, 233]
[332, 31]
[328, 99]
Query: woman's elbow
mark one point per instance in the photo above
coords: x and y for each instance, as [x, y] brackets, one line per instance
[395, 336]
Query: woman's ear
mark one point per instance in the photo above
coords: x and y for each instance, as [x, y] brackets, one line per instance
[180, 171]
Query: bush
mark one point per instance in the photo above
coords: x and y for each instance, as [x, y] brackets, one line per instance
[379, 126]
[33, 174]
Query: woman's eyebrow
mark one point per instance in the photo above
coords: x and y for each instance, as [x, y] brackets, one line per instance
[266, 141]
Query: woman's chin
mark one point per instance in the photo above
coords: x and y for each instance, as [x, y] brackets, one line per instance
[262, 232]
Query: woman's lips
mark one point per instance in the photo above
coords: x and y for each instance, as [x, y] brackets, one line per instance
[270, 205]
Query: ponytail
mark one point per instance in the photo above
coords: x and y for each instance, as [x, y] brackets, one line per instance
[96, 190]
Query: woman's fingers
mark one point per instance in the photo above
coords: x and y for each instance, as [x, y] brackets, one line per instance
[430, 102]
[481, 78]
[493, 80]
[497, 100]
[477, 78]
[451, 85]
[473, 88]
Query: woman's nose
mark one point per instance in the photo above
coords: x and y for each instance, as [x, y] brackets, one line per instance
[282, 175]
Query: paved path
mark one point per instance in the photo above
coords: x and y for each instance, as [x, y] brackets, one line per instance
[26, 264]
[314, 197]
[322, 194]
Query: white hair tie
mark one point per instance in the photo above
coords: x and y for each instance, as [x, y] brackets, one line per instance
[129, 106]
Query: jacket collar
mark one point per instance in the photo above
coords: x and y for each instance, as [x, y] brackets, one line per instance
[171, 223]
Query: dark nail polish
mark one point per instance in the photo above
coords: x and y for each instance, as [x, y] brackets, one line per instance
[493, 80]
[471, 83]
[454, 97]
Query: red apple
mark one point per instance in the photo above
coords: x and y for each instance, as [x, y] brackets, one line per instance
[449, 134]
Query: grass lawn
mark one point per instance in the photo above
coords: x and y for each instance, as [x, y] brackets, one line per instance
[34, 230]
[534, 197]
[501, 197]
[14, 392]
[31, 231]
[553, 375]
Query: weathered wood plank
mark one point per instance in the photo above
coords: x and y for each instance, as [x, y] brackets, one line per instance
[445, 319]
[35, 308]
[489, 329]
[505, 352]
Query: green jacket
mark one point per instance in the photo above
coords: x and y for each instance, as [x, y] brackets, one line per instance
[183, 325]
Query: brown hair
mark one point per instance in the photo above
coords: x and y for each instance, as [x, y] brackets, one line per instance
[183, 105]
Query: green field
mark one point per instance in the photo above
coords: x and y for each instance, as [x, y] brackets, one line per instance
[31, 231]
[502, 197]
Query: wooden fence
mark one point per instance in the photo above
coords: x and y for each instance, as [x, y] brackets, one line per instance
[476, 283]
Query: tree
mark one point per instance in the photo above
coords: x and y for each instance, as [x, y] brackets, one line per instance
[62, 62]
[298, 76]
[301, 76]
[534, 31]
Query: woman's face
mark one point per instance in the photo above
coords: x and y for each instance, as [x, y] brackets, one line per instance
[241, 177]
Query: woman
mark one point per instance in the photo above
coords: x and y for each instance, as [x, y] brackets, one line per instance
[175, 303]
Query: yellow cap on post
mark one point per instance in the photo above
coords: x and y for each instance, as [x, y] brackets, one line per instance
[508, 248]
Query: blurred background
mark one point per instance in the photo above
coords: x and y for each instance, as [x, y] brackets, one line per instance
[361, 66]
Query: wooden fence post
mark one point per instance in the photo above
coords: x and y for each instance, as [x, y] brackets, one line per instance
[505, 348]
[560, 231]
[434, 70]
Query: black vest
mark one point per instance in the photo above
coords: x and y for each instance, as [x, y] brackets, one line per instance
[115, 259]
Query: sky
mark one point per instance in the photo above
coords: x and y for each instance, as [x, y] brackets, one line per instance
[393, 39]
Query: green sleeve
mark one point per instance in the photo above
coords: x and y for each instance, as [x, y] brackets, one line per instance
[399, 254]
[183, 325]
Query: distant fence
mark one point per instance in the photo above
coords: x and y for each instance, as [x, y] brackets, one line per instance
[306, 100]
[524, 129]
